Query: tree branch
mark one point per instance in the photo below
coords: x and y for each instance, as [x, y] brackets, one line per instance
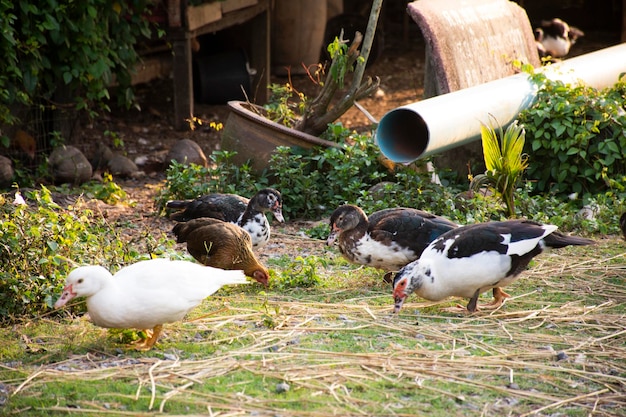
[317, 115]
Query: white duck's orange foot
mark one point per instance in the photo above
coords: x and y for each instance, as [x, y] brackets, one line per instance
[148, 343]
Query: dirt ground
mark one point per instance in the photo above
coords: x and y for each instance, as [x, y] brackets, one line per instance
[149, 130]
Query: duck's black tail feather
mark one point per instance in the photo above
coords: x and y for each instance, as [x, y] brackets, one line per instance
[178, 204]
[559, 240]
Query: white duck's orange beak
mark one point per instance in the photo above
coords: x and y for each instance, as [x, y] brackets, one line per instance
[67, 295]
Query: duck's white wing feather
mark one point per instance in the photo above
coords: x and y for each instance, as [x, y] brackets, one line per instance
[188, 278]
[157, 291]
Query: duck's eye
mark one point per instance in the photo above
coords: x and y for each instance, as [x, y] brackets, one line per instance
[80, 280]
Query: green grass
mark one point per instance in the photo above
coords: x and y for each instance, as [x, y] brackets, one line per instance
[341, 351]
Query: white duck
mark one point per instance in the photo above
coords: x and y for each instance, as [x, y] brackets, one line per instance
[470, 260]
[146, 294]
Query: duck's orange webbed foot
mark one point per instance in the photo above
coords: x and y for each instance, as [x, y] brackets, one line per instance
[498, 299]
[148, 343]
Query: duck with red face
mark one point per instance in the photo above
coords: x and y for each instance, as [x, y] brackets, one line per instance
[470, 260]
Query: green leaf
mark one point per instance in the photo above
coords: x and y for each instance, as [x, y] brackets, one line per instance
[559, 130]
[612, 147]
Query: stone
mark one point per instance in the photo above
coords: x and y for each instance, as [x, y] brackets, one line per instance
[101, 157]
[186, 151]
[6, 171]
[69, 165]
[121, 166]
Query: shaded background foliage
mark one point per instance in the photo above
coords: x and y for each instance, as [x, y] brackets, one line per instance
[67, 54]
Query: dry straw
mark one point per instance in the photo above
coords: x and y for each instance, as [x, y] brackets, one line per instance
[526, 358]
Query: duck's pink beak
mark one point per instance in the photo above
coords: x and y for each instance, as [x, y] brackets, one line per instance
[398, 301]
[333, 235]
[398, 297]
[278, 212]
[67, 295]
[279, 215]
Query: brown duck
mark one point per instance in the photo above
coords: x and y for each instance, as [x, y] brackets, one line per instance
[222, 245]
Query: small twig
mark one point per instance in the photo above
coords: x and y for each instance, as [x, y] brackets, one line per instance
[30, 378]
[365, 112]
[152, 383]
[568, 400]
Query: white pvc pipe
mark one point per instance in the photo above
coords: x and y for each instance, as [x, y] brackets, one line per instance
[436, 124]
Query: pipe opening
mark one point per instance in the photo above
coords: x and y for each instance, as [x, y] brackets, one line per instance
[402, 135]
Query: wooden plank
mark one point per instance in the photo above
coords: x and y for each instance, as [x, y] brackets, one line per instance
[232, 5]
[198, 16]
[234, 18]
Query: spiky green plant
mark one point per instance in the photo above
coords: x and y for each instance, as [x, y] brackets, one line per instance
[504, 160]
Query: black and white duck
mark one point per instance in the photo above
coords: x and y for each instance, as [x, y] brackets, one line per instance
[388, 239]
[249, 214]
[473, 259]
[555, 38]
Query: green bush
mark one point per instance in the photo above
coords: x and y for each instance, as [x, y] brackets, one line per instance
[576, 138]
[77, 46]
[39, 246]
[188, 181]
[319, 180]
[315, 182]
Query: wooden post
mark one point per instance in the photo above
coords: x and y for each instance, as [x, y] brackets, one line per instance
[183, 79]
